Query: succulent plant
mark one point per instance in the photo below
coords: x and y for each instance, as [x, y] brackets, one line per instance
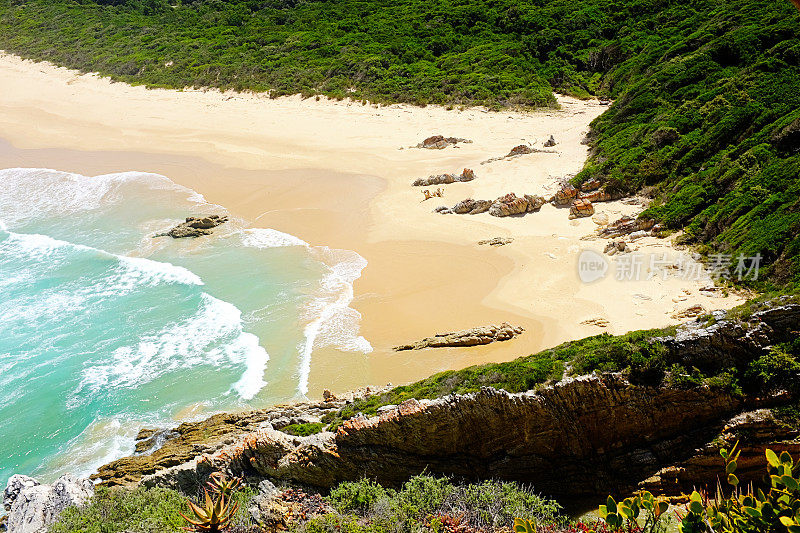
[523, 526]
[221, 484]
[214, 516]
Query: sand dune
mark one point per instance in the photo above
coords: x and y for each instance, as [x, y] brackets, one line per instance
[339, 174]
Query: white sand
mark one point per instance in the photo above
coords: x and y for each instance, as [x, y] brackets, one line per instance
[339, 174]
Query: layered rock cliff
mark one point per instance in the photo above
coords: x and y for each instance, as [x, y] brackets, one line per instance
[582, 436]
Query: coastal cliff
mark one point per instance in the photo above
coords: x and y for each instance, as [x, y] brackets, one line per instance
[604, 432]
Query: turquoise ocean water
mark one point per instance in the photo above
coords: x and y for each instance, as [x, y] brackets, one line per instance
[104, 329]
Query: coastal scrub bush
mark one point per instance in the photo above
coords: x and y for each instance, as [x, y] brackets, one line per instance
[434, 504]
[775, 371]
[140, 510]
[303, 430]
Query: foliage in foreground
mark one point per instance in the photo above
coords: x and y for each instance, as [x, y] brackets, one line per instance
[740, 511]
[432, 504]
[139, 510]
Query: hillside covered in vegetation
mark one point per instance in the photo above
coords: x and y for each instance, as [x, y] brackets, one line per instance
[707, 94]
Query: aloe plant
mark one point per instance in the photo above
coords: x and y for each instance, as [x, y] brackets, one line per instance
[214, 516]
[221, 484]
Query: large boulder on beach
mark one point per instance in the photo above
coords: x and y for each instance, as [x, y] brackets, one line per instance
[581, 208]
[521, 149]
[627, 225]
[34, 507]
[565, 195]
[469, 337]
[508, 205]
[596, 196]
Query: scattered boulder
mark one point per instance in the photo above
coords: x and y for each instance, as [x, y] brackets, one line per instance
[194, 227]
[328, 396]
[438, 142]
[616, 247]
[626, 225]
[690, 312]
[601, 219]
[565, 196]
[443, 179]
[581, 208]
[497, 241]
[468, 337]
[521, 149]
[508, 205]
[33, 506]
[550, 142]
[443, 209]
[535, 202]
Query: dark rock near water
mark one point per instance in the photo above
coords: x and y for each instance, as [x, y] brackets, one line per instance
[469, 337]
[194, 227]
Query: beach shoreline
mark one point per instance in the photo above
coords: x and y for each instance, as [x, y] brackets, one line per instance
[339, 174]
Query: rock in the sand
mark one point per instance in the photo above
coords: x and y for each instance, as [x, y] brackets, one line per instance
[565, 195]
[194, 227]
[33, 506]
[601, 219]
[508, 205]
[469, 337]
[690, 312]
[600, 322]
[471, 207]
[497, 241]
[443, 179]
[521, 149]
[535, 202]
[550, 142]
[616, 247]
[626, 225]
[590, 185]
[443, 209]
[596, 196]
[438, 142]
[581, 208]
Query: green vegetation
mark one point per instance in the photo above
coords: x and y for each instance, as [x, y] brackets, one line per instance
[142, 510]
[431, 504]
[739, 511]
[303, 430]
[707, 94]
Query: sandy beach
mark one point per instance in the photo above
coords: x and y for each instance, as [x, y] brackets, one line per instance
[339, 174]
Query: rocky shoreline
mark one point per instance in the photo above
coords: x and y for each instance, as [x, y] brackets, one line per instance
[604, 432]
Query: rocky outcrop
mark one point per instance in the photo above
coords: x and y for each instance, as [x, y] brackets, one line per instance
[616, 247]
[602, 432]
[596, 196]
[439, 142]
[33, 507]
[581, 208]
[626, 225]
[194, 227]
[564, 196]
[497, 241]
[471, 207]
[444, 179]
[590, 185]
[755, 431]
[468, 337]
[508, 205]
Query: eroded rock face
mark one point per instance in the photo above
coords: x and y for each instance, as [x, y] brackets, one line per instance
[602, 433]
[508, 205]
[626, 225]
[444, 179]
[565, 196]
[581, 208]
[469, 337]
[33, 507]
[194, 227]
[439, 142]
